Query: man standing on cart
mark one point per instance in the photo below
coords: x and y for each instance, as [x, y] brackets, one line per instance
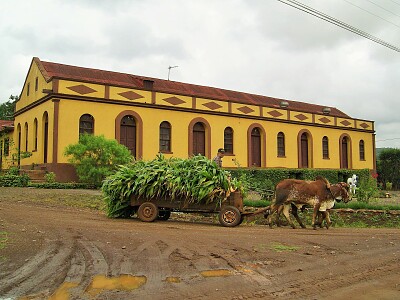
[218, 158]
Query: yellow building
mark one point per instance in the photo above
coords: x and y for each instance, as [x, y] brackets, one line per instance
[149, 115]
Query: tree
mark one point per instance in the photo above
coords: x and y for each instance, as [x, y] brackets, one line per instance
[389, 167]
[96, 157]
[7, 109]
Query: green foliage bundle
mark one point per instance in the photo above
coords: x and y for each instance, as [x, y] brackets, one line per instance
[96, 157]
[196, 180]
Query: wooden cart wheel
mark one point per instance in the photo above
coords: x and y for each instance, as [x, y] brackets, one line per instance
[147, 212]
[164, 214]
[229, 216]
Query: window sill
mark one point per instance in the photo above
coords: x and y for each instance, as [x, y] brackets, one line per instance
[281, 156]
[166, 152]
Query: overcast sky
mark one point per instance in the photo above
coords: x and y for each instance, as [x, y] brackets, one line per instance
[256, 46]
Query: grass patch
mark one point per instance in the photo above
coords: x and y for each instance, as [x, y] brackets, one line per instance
[3, 239]
[256, 203]
[282, 248]
[363, 205]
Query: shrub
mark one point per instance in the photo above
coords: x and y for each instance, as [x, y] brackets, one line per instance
[266, 179]
[10, 180]
[13, 171]
[96, 157]
[367, 189]
[50, 177]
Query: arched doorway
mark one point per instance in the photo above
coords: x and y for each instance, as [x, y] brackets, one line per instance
[255, 147]
[199, 139]
[344, 150]
[128, 133]
[304, 151]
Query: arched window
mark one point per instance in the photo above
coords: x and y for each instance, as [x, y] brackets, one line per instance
[362, 150]
[325, 147]
[228, 140]
[280, 139]
[165, 137]
[35, 134]
[26, 137]
[6, 147]
[45, 130]
[86, 124]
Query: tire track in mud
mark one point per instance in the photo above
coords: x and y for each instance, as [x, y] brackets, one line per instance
[44, 269]
[353, 271]
[314, 286]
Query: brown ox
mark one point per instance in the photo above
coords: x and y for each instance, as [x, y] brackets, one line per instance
[318, 194]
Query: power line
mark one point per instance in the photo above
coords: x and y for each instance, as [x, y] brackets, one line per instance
[383, 8]
[395, 2]
[388, 140]
[371, 13]
[325, 17]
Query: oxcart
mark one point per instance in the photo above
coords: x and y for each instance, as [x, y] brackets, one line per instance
[230, 211]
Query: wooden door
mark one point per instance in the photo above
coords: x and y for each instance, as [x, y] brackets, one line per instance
[304, 151]
[345, 153]
[128, 134]
[255, 148]
[199, 139]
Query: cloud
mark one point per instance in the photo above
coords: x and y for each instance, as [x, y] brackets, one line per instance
[261, 47]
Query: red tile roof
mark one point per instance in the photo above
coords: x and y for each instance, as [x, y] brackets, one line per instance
[54, 70]
[6, 123]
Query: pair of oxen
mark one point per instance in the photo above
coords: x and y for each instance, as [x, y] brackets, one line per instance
[294, 194]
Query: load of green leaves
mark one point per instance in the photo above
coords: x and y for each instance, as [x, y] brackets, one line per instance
[196, 180]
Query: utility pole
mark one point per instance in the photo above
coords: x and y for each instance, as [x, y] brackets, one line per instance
[169, 69]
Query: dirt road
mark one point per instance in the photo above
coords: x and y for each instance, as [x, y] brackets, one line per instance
[67, 253]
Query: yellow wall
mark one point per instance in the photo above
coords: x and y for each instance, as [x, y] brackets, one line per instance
[29, 117]
[34, 94]
[105, 115]
[6, 160]
[178, 111]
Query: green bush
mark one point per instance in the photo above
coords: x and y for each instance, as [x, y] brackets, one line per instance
[367, 189]
[267, 179]
[50, 177]
[13, 171]
[10, 180]
[96, 157]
